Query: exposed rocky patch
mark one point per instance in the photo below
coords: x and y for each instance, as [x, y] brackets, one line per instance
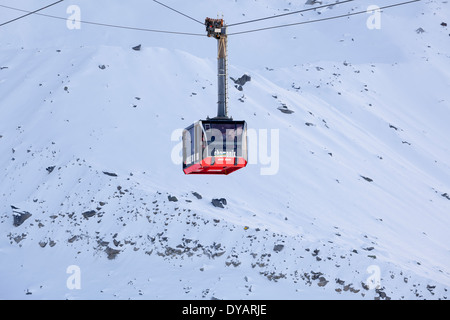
[219, 203]
[275, 257]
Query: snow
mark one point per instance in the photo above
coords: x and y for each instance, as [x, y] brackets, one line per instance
[354, 180]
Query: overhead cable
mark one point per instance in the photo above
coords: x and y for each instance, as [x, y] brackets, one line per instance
[30, 13]
[189, 17]
[106, 24]
[323, 19]
[289, 13]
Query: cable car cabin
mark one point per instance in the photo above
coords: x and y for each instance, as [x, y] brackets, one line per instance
[215, 147]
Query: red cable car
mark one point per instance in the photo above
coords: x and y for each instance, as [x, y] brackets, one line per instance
[218, 145]
[215, 147]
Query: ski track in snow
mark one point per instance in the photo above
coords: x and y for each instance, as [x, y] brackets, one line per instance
[361, 183]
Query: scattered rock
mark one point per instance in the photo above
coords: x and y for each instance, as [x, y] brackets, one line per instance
[446, 195]
[444, 24]
[119, 188]
[311, 2]
[112, 253]
[366, 178]
[382, 295]
[137, 48]
[315, 275]
[393, 127]
[20, 218]
[278, 247]
[111, 174]
[431, 288]
[272, 276]
[219, 203]
[88, 214]
[19, 238]
[322, 282]
[242, 80]
[50, 169]
[102, 67]
[172, 199]
[103, 243]
[72, 239]
[420, 30]
[197, 195]
[365, 286]
[285, 109]
[293, 86]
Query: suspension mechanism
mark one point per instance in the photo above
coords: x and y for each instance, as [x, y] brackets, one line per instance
[214, 27]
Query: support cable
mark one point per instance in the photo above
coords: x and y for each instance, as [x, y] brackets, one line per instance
[289, 13]
[189, 17]
[30, 13]
[103, 24]
[323, 19]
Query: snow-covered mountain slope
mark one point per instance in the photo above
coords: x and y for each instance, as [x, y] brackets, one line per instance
[348, 197]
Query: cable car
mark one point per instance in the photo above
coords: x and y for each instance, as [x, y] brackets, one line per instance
[217, 145]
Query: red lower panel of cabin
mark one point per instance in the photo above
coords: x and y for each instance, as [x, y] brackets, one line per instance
[216, 165]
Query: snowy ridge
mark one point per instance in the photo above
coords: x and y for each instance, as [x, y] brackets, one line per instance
[357, 183]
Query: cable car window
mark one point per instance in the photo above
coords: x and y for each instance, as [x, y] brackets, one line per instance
[188, 146]
[224, 139]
